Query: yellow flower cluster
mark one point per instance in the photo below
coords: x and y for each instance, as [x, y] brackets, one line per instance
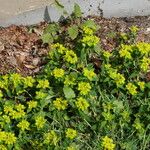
[71, 133]
[125, 51]
[60, 104]
[40, 122]
[144, 48]
[131, 88]
[89, 74]
[6, 118]
[88, 31]
[16, 79]
[107, 143]
[145, 62]
[71, 148]
[124, 36]
[71, 57]
[28, 81]
[23, 125]
[117, 77]
[40, 95]
[7, 137]
[51, 138]
[141, 85]
[2, 147]
[59, 47]
[43, 84]
[32, 104]
[82, 104]
[15, 112]
[1, 94]
[134, 29]
[84, 88]
[58, 73]
[90, 40]
[107, 54]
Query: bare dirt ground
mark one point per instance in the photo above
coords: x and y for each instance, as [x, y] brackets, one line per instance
[22, 50]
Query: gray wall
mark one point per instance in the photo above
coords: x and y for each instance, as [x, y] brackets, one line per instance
[33, 11]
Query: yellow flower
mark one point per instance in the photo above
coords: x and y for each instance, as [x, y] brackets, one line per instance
[71, 57]
[10, 138]
[125, 51]
[1, 94]
[40, 95]
[89, 74]
[6, 118]
[60, 104]
[124, 36]
[24, 125]
[107, 143]
[131, 88]
[119, 79]
[107, 66]
[141, 85]
[71, 148]
[58, 73]
[28, 81]
[134, 29]
[59, 47]
[32, 104]
[8, 109]
[71, 133]
[43, 84]
[51, 138]
[16, 115]
[2, 136]
[16, 79]
[90, 40]
[144, 48]
[84, 88]
[82, 104]
[107, 54]
[20, 107]
[87, 30]
[145, 62]
[2, 147]
[40, 121]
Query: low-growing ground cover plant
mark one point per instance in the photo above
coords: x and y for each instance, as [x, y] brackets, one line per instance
[85, 97]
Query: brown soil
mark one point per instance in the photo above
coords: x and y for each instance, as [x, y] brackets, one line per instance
[22, 51]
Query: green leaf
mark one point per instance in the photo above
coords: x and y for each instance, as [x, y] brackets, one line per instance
[148, 85]
[69, 93]
[47, 38]
[52, 28]
[90, 24]
[77, 11]
[73, 32]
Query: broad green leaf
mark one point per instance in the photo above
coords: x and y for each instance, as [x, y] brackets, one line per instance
[148, 85]
[77, 11]
[69, 93]
[51, 28]
[73, 32]
[90, 24]
[47, 38]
